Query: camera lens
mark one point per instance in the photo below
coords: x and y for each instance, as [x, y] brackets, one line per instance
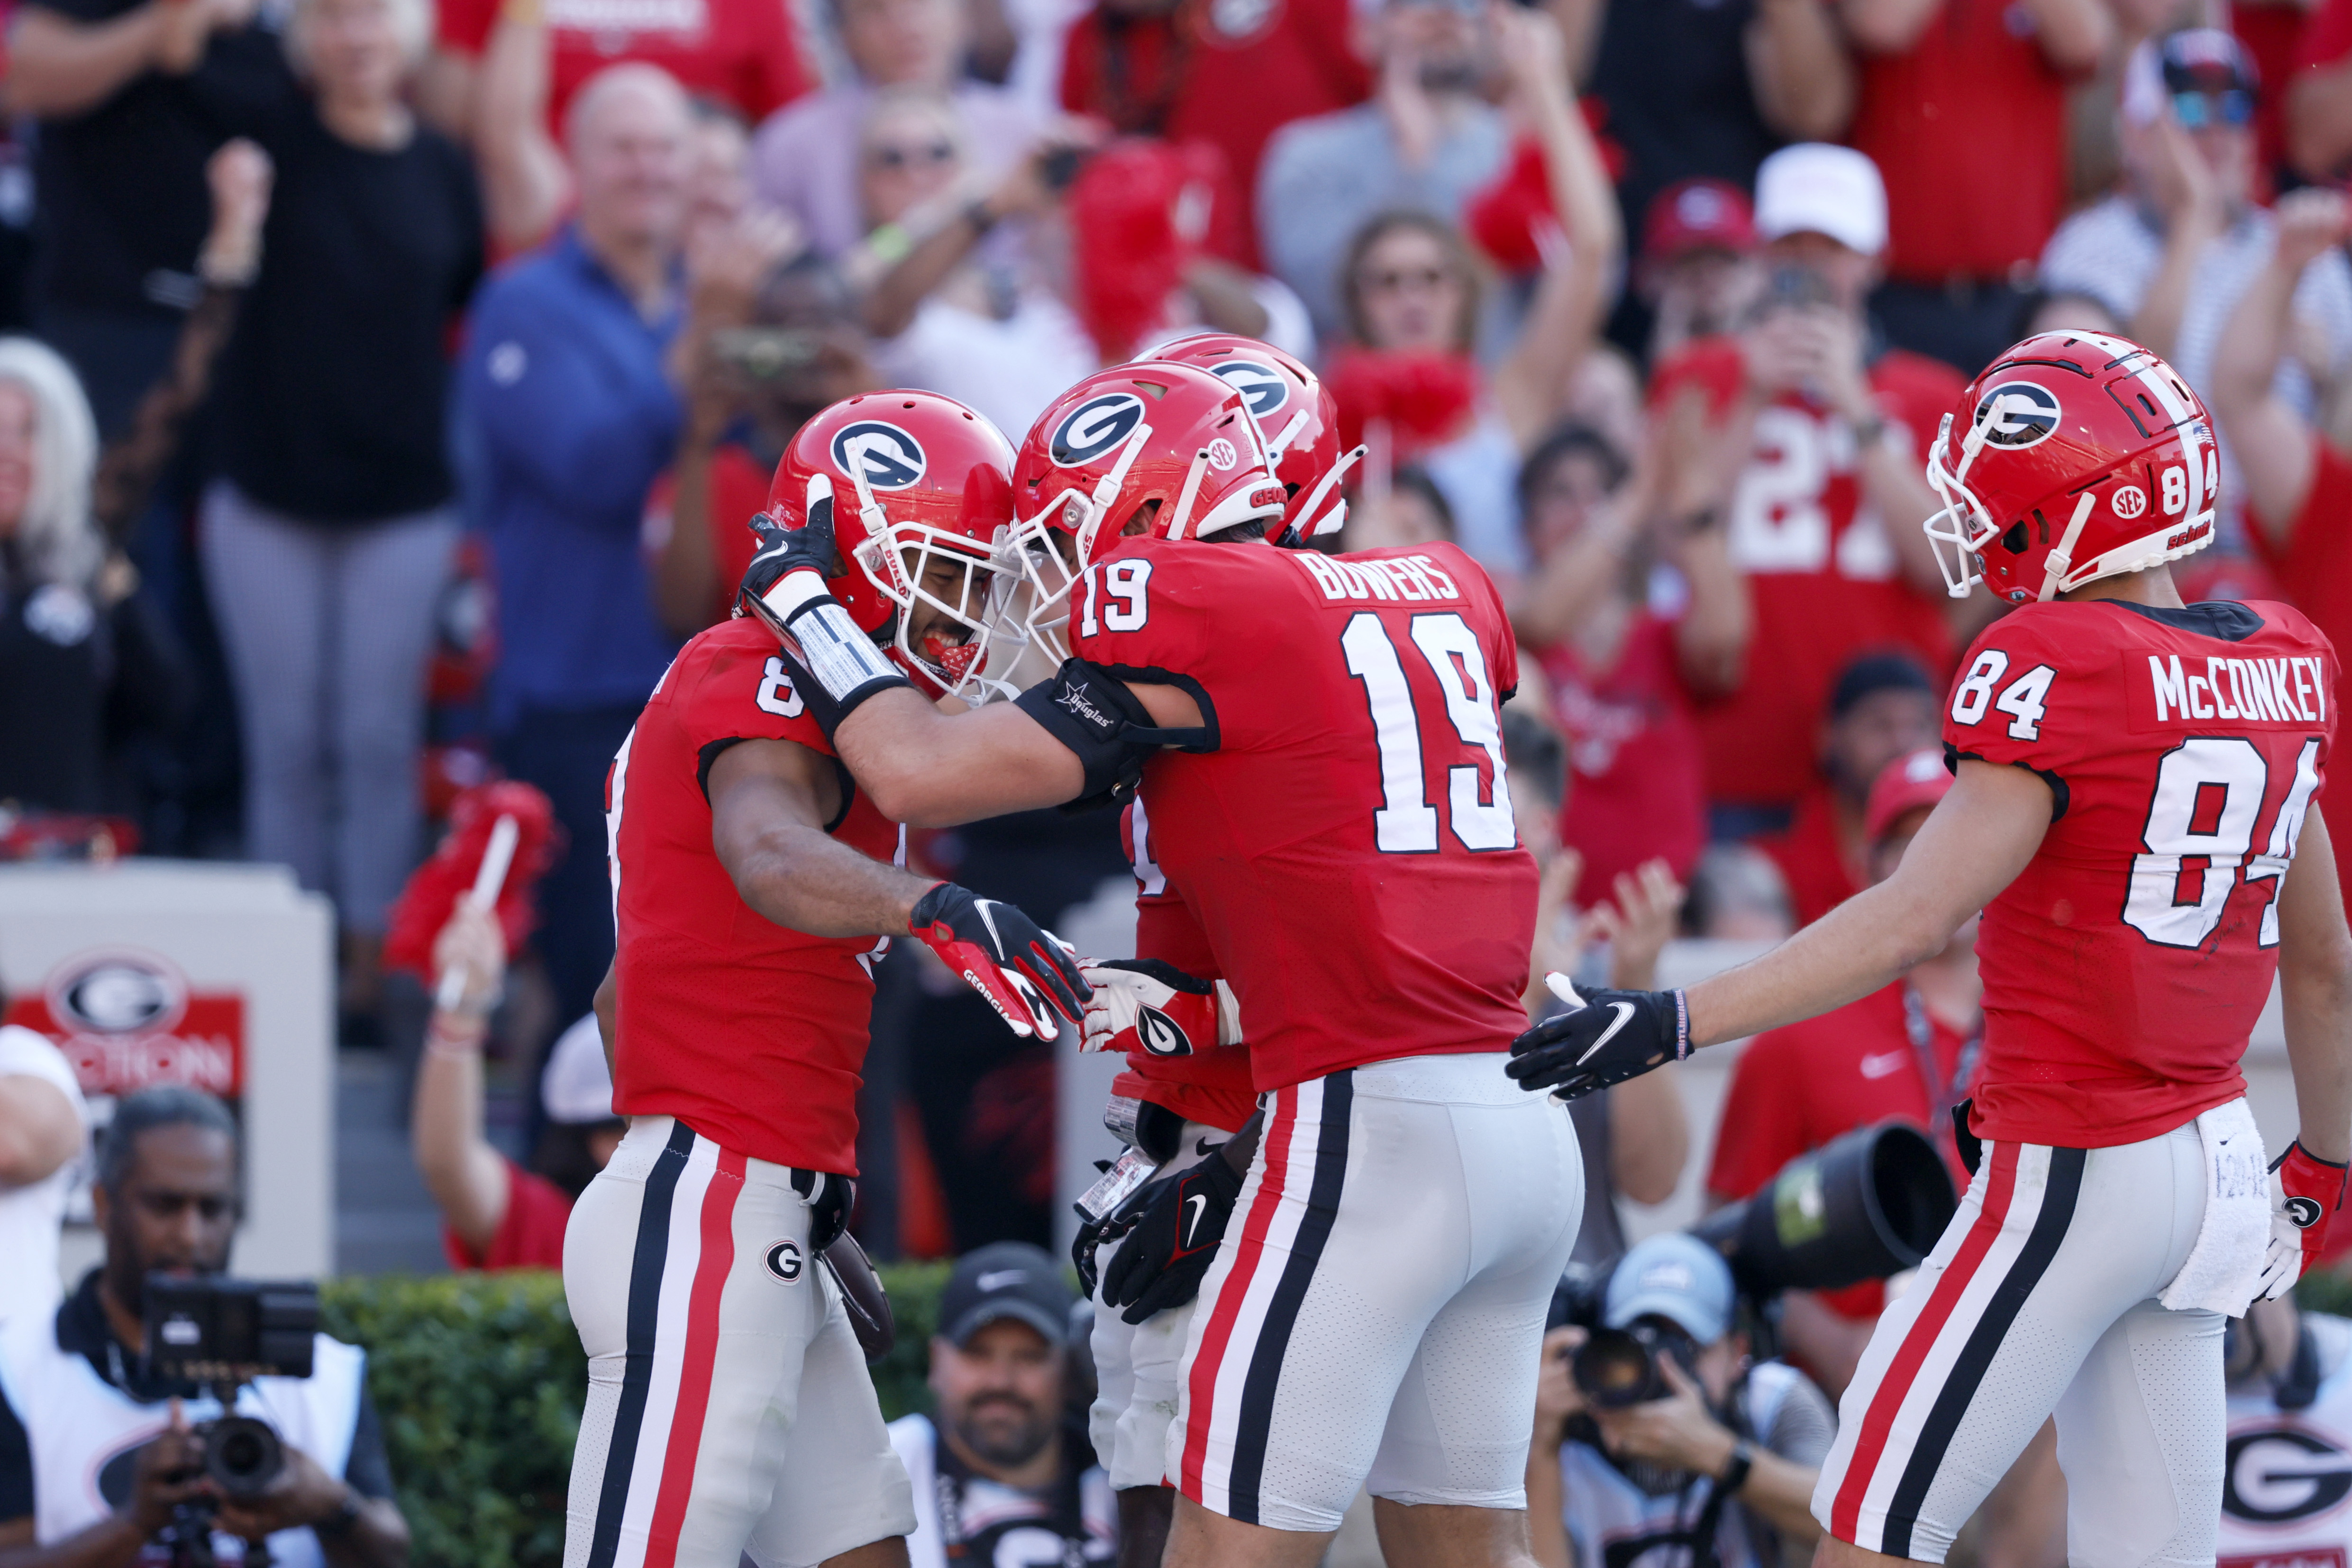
[1613, 1370]
[242, 1456]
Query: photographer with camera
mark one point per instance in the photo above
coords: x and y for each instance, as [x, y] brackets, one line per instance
[1658, 1443]
[108, 1459]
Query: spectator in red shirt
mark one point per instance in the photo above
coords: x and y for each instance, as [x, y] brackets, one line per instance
[1633, 611]
[1194, 72]
[1882, 708]
[1962, 104]
[804, 158]
[2298, 485]
[742, 53]
[1823, 516]
[494, 1213]
[1906, 1052]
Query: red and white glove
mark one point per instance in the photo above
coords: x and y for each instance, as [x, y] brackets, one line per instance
[1148, 1005]
[2309, 1193]
[1026, 972]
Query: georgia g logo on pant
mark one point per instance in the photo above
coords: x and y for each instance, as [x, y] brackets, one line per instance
[784, 1261]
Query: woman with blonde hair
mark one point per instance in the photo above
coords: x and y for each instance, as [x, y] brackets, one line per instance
[327, 540]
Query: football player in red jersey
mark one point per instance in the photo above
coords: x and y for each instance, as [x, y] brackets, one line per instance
[1333, 809]
[728, 1406]
[2134, 779]
[1297, 415]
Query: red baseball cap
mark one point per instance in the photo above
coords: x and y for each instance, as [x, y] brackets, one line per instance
[1697, 215]
[1909, 781]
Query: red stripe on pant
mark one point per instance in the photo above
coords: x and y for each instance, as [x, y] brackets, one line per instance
[701, 1354]
[1220, 1332]
[1878, 1422]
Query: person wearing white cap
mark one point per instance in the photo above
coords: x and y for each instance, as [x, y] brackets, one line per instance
[1822, 512]
[495, 1214]
[1720, 1469]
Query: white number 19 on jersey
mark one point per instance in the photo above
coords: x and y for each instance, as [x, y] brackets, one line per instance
[1406, 824]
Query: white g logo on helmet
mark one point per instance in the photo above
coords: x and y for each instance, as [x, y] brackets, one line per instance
[1095, 428]
[891, 458]
[2018, 413]
[1261, 386]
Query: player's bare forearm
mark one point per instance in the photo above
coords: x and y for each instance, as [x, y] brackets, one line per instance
[929, 769]
[1973, 845]
[2315, 994]
[770, 804]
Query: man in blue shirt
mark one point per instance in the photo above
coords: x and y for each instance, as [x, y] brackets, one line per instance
[569, 414]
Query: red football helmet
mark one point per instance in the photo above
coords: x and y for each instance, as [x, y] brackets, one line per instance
[2073, 456]
[920, 485]
[1117, 441]
[1295, 412]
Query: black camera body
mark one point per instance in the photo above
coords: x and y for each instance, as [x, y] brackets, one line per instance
[225, 1333]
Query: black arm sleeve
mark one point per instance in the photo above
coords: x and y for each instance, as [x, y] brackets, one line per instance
[368, 1470]
[1109, 730]
[15, 1467]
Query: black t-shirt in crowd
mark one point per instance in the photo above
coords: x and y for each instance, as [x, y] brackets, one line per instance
[332, 395]
[82, 1329]
[121, 205]
[1674, 75]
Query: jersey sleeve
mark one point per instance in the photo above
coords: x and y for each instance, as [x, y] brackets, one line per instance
[2029, 696]
[739, 689]
[1147, 615]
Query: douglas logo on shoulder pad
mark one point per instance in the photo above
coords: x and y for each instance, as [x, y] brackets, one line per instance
[1096, 427]
[892, 458]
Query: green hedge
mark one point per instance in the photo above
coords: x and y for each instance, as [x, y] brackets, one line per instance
[479, 1379]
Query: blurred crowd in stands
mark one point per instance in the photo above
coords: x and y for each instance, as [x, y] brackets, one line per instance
[384, 391]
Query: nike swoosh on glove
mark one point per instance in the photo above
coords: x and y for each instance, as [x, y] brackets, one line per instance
[770, 588]
[1607, 1038]
[1148, 1006]
[2309, 1193]
[1180, 1220]
[1026, 972]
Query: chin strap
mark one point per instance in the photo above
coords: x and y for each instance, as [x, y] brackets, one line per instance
[2062, 560]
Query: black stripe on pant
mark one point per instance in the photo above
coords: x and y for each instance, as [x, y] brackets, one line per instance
[1282, 1309]
[2059, 1192]
[636, 1378]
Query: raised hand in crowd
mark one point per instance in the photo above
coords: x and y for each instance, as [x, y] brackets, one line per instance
[2178, 184]
[239, 176]
[60, 66]
[726, 266]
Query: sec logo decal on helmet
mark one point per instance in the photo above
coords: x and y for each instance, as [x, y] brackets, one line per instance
[892, 458]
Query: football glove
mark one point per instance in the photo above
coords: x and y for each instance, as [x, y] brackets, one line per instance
[1148, 1006]
[833, 665]
[1607, 1038]
[1179, 1221]
[2308, 1193]
[1026, 972]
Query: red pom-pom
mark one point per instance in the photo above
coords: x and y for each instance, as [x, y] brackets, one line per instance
[1424, 398]
[1506, 217]
[426, 904]
[1138, 212]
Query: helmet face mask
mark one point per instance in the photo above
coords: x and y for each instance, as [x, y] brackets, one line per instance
[2082, 457]
[920, 487]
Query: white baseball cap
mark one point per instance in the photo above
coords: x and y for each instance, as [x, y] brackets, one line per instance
[577, 1087]
[1815, 188]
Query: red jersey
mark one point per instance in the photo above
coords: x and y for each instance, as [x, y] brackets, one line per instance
[1812, 861]
[743, 53]
[530, 1233]
[1820, 567]
[1200, 74]
[1210, 1087]
[2318, 559]
[1968, 127]
[1345, 834]
[2125, 965]
[1638, 792]
[750, 1034]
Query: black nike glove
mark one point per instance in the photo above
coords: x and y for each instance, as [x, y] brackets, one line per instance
[1612, 1036]
[833, 665]
[1179, 1222]
[829, 1211]
[1026, 971]
[782, 552]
